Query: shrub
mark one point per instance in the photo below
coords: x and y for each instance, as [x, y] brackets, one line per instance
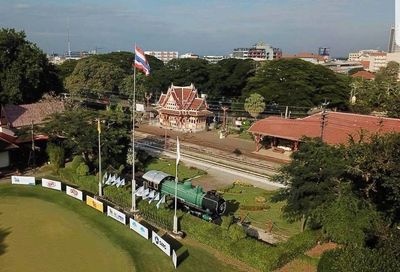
[82, 169]
[56, 155]
[119, 196]
[226, 222]
[76, 161]
[236, 232]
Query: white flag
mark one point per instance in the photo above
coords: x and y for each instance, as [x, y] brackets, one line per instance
[157, 198]
[178, 151]
[104, 177]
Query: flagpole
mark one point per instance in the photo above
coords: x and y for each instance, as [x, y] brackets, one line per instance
[133, 209]
[99, 132]
[175, 230]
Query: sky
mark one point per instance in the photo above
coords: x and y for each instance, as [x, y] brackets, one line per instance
[205, 27]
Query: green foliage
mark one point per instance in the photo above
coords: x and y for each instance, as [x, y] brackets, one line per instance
[347, 220]
[227, 221]
[82, 169]
[374, 171]
[314, 176]
[56, 155]
[120, 196]
[254, 104]
[76, 161]
[92, 76]
[236, 232]
[66, 68]
[25, 73]
[354, 259]
[79, 129]
[88, 183]
[299, 83]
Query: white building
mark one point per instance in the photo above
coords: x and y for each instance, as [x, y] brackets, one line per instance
[214, 59]
[189, 55]
[372, 60]
[259, 52]
[164, 56]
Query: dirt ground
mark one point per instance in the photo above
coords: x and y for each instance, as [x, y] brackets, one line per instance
[211, 139]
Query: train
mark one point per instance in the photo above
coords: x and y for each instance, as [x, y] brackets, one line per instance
[207, 205]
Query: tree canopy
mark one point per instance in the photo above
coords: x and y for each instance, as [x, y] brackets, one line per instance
[92, 76]
[254, 104]
[299, 83]
[25, 73]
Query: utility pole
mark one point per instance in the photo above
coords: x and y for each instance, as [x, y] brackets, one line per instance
[324, 121]
[100, 177]
[224, 108]
[32, 148]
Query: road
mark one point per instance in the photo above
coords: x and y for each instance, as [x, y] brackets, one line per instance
[219, 175]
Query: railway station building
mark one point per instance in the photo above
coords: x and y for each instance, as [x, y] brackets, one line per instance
[182, 109]
[282, 135]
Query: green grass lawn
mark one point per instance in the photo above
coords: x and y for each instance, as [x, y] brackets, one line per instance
[45, 230]
[261, 218]
[168, 166]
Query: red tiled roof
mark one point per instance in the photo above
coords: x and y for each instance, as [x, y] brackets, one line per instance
[303, 55]
[337, 130]
[365, 64]
[23, 115]
[9, 140]
[364, 75]
[186, 98]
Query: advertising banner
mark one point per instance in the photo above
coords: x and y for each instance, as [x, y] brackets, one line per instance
[95, 203]
[71, 191]
[52, 184]
[161, 243]
[117, 215]
[139, 228]
[22, 180]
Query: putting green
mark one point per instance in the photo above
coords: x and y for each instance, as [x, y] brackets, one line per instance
[45, 230]
[46, 237]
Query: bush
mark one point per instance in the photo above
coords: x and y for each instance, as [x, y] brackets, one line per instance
[56, 155]
[76, 161]
[82, 169]
[119, 196]
[226, 222]
[236, 232]
[351, 259]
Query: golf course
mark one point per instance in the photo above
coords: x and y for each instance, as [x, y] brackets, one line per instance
[45, 230]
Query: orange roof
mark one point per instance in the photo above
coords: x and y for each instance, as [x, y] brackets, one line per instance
[23, 115]
[338, 128]
[365, 64]
[364, 75]
[186, 98]
[303, 55]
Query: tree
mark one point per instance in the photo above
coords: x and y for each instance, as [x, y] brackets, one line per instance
[313, 177]
[254, 104]
[56, 155]
[95, 77]
[348, 219]
[25, 73]
[299, 83]
[375, 173]
[78, 129]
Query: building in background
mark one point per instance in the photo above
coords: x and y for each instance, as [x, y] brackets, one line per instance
[393, 47]
[259, 52]
[310, 57]
[214, 59]
[371, 59]
[189, 55]
[164, 56]
[343, 66]
[182, 109]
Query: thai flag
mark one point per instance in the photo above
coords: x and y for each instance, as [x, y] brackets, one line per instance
[141, 62]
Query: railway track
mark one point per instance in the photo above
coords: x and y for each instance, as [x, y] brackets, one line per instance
[262, 178]
[238, 162]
